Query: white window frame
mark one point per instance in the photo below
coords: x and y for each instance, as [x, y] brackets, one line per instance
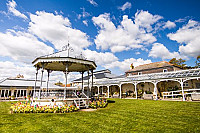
[165, 70]
[139, 73]
[185, 84]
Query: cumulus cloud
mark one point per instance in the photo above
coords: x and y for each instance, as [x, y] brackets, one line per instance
[189, 35]
[22, 46]
[92, 2]
[12, 9]
[125, 64]
[160, 51]
[169, 25]
[127, 5]
[57, 30]
[100, 58]
[145, 20]
[12, 69]
[127, 35]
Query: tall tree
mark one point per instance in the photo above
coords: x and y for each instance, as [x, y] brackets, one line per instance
[197, 62]
[173, 61]
[59, 83]
[180, 62]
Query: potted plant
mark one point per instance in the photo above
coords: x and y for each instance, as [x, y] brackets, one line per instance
[29, 97]
[13, 97]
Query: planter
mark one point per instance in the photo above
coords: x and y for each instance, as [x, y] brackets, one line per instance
[195, 97]
[148, 96]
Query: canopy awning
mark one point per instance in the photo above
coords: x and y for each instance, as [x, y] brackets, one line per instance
[61, 63]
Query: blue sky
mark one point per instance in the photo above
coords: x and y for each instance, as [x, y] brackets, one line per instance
[114, 33]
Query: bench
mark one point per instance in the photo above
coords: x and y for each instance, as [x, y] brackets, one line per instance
[148, 96]
[195, 97]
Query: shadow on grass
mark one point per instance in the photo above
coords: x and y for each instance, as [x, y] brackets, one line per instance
[111, 101]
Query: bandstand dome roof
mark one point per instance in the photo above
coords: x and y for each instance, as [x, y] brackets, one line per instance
[60, 63]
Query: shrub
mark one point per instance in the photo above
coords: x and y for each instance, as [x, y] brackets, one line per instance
[100, 103]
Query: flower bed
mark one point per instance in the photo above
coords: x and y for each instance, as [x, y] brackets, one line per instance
[26, 107]
[99, 103]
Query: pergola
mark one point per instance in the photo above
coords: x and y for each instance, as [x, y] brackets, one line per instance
[178, 76]
[64, 64]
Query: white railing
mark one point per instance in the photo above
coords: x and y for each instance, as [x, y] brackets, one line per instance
[84, 95]
[75, 95]
[179, 92]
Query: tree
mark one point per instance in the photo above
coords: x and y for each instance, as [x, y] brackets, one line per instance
[59, 84]
[197, 62]
[180, 62]
[173, 61]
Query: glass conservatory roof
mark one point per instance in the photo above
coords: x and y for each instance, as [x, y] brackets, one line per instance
[154, 76]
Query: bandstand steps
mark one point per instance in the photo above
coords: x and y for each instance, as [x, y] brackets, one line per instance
[82, 105]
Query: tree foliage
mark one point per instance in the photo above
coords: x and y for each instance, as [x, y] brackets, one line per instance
[178, 62]
[59, 84]
[197, 62]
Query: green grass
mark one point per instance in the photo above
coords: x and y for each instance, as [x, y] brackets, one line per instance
[122, 116]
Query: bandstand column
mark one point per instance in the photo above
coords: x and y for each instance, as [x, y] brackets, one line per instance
[88, 89]
[66, 73]
[16, 93]
[23, 92]
[35, 83]
[65, 84]
[82, 81]
[135, 84]
[48, 71]
[98, 89]
[108, 91]
[41, 83]
[92, 89]
[4, 93]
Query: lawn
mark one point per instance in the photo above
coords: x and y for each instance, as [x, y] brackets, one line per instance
[119, 116]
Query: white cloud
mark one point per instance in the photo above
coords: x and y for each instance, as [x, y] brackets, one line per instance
[180, 20]
[12, 69]
[22, 46]
[137, 53]
[145, 20]
[57, 30]
[127, 5]
[11, 8]
[189, 35]
[160, 51]
[169, 25]
[100, 58]
[85, 22]
[92, 2]
[125, 64]
[127, 35]
[84, 14]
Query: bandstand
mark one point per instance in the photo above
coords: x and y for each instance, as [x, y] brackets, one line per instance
[65, 65]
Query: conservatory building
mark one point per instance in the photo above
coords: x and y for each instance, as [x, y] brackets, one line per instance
[159, 80]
